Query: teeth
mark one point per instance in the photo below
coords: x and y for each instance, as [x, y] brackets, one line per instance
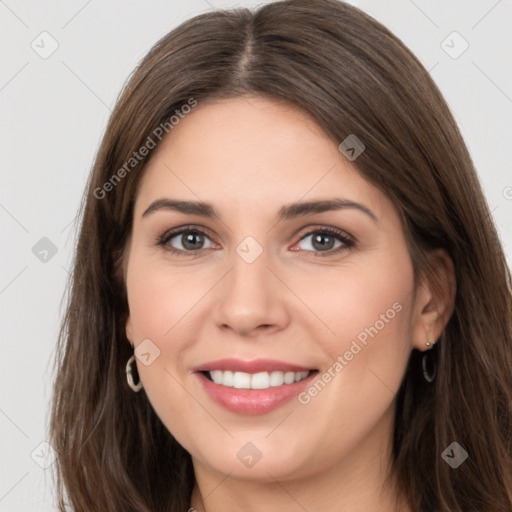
[261, 380]
[241, 380]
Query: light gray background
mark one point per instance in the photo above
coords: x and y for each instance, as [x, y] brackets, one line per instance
[54, 111]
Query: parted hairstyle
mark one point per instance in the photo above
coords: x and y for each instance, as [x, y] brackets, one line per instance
[353, 77]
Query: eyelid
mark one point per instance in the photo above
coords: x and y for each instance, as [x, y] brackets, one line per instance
[321, 228]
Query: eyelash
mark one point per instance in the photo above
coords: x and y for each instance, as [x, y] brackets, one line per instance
[343, 237]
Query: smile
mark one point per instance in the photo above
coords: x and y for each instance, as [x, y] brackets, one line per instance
[255, 386]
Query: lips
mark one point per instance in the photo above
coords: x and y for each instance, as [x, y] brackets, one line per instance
[252, 401]
[255, 366]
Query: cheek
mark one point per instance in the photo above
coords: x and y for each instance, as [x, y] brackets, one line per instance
[362, 302]
[160, 297]
[163, 303]
[369, 311]
[367, 308]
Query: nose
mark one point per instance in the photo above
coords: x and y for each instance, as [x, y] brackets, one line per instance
[251, 299]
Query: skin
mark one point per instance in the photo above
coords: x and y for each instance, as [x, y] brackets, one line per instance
[249, 156]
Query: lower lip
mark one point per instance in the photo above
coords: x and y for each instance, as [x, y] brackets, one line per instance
[253, 401]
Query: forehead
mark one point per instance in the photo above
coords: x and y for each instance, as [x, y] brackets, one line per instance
[249, 152]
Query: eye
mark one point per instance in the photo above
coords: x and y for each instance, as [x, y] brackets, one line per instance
[324, 240]
[189, 240]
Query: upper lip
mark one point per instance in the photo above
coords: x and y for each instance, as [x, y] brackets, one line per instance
[254, 366]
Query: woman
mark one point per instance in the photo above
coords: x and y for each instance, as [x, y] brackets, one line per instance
[288, 292]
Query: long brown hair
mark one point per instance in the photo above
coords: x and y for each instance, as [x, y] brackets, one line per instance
[354, 77]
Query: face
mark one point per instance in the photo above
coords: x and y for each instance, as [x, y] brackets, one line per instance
[327, 291]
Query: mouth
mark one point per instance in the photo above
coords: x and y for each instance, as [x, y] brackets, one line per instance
[255, 386]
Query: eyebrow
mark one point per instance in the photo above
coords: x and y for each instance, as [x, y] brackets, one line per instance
[287, 212]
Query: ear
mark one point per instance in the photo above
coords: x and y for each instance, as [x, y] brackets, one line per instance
[435, 299]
